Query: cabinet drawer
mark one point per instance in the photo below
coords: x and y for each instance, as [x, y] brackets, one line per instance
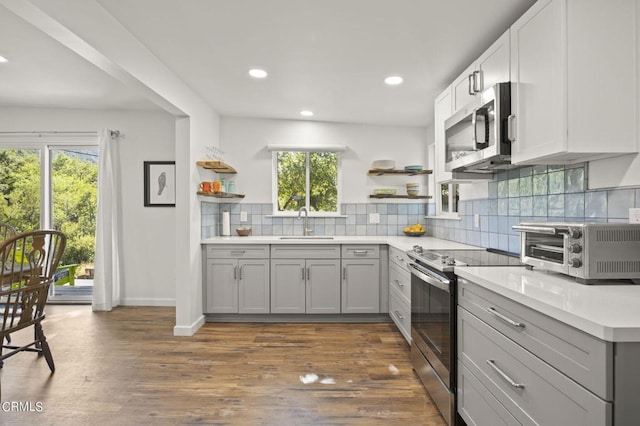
[305, 251]
[400, 280]
[399, 257]
[476, 405]
[587, 360]
[529, 388]
[359, 251]
[400, 313]
[229, 251]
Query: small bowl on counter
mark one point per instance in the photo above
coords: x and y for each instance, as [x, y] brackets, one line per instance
[414, 234]
[243, 231]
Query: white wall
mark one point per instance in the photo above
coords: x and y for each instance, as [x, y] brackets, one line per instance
[149, 232]
[244, 142]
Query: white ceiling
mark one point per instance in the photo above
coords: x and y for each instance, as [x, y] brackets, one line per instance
[43, 73]
[329, 56]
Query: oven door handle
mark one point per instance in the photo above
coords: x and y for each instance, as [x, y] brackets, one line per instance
[538, 229]
[430, 278]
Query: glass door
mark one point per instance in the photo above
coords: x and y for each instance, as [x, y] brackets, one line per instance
[20, 188]
[73, 201]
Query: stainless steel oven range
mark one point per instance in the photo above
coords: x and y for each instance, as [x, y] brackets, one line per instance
[433, 318]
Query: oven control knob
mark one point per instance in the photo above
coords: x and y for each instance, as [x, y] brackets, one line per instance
[575, 263]
[575, 248]
[575, 233]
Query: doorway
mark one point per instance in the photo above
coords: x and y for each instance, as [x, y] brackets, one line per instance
[55, 187]
[74, 184]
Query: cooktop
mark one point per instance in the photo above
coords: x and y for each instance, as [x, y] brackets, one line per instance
[446, 260]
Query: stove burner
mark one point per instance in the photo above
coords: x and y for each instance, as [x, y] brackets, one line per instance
[447, 260]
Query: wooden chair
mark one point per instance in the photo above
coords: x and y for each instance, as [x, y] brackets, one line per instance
[6, 231]
[27, 264]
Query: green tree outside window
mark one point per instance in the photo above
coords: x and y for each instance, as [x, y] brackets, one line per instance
[307, 179]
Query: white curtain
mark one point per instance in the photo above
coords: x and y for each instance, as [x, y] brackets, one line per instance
[108, 265]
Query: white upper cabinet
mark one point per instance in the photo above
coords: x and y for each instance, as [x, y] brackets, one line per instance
[462, 90]
[494, 64]
[574, 74]
[442, 107]
[490, 68]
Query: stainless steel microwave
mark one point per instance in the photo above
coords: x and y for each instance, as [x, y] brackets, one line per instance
[477, 136]
[587, 251]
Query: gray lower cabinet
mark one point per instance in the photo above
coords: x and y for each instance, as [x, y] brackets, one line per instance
[236, 285]
[360, 286]
[400, 292]
[510, 362]
[305, 286]
[288, 286]
[476, 405]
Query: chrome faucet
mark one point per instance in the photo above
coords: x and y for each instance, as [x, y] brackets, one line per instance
[305, 229]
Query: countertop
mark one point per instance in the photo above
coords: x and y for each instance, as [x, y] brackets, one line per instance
[610, 312]
[399, 242]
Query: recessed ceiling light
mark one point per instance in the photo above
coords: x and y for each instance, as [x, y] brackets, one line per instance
[306, 113]
[257, 73]
[393, 80]
[3, 59]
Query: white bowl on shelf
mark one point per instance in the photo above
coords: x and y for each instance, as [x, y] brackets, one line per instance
[384, 165]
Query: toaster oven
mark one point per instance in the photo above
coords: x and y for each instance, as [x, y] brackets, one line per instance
[587, 251]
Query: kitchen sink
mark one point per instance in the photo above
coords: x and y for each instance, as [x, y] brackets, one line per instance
[308, 237]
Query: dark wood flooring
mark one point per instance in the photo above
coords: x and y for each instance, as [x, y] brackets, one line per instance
[125, 367]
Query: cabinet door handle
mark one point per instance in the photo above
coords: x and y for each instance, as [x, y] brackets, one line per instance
[308, 273]
[235, 272]
[471, 92]
[240, 272]
[504, 375]
[303, 278]
[344, 272]
[504, 318]
[398, 283]
[477, 81]
[397, 314]
[237, 252]
[360, 252]
[511, 128]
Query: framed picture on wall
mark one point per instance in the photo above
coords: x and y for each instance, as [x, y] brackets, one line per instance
[160, 183]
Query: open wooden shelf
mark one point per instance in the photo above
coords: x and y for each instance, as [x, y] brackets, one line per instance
[216, 166]
[376, 172]
[414, 197]
[221, 194]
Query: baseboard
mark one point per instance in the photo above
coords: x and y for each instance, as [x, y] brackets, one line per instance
[147, 302]
[188, 330]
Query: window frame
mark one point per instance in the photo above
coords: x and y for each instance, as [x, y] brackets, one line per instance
[439, 207]
[274, 182]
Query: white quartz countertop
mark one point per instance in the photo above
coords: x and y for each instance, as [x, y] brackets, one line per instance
[610, 312]
[401, 243]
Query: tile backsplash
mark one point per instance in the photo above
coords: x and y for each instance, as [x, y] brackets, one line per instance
[354, 220]
[536, 194]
